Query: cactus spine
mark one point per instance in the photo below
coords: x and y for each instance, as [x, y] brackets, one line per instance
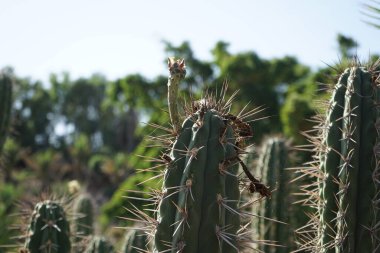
[135, 241]
[5, 104]
[198, 209]
[49, 231]
[347, 167]
[272, 165]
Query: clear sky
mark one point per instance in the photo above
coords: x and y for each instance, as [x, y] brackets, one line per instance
[119, 37]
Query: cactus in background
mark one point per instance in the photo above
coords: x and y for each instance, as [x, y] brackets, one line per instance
[135, 241]
[273, 161]
[347, 168]
[83, 224]
[198, 209]
[5, 104]
[99, 245]
[49, 230]
[83, 209]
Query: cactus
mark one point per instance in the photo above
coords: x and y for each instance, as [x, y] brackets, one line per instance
[49, 230]
[347, 168]
[84, 209]
[83, 224]
[99, 245]
[5, 104]
[198, 209]
[272, 165]
[135, 241]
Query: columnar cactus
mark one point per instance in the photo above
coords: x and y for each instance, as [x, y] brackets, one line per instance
[135, 241]
[347, 168]
[83, 224]
[272, 166]
[5, 104]
[83, 209]
[198, 209]
[49, 230]
[99, 245]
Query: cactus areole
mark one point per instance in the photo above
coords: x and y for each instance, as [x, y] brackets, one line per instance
[199, 206]
[48, 231]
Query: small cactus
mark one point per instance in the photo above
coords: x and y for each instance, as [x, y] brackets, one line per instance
[49, 230]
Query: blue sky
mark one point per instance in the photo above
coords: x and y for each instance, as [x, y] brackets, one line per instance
[117, 37]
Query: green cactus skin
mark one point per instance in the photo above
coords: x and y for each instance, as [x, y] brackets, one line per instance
[99, 245]
[272, 165]
[83, 209]
[198, 211]
[136, 241]
[347, 167]
[5, 104]
[49, 231]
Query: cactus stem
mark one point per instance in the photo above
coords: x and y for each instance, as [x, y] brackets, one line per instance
[177, 72]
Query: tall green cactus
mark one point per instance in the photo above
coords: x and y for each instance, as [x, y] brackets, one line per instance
[99, 245]
[49, 230]
[198, 210]
[5, 104]
[273, 161]
[136, 241]
[347, 168]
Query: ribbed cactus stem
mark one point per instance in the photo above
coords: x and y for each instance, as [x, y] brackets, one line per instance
[272, 166]
[348, 173]
[49, 230]
[177, 72]
[329, 162]
[358, 176]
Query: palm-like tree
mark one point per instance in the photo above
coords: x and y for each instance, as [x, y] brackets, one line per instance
[372, 13]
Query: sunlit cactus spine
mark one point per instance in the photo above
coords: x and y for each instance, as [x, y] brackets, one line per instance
[5, 104]
[83, 225]
[136, 241]
[99, 244]
[198, 208]
[347, 168]
[273, 213]
[49, 230]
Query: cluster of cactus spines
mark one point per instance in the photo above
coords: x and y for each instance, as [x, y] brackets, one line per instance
[346, 193]
[272, 167]
[49, 230]
[198, 207]
[99, 244]
[136, 241]
[5, 104]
